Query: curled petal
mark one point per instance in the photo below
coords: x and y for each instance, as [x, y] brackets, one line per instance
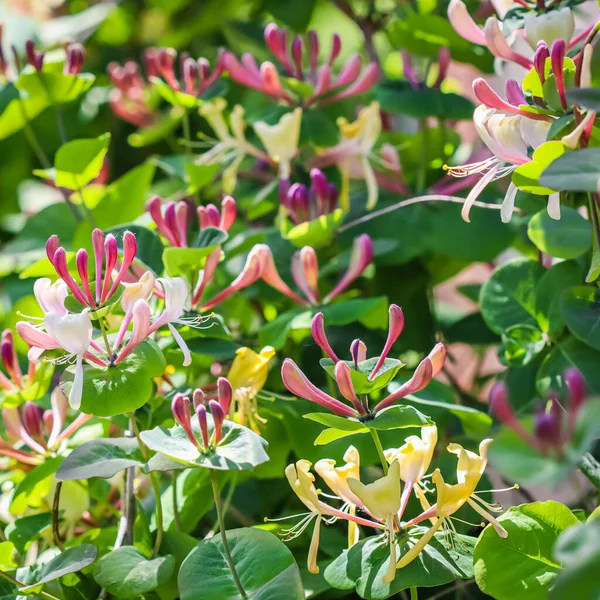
[463, 23]
[270, 274]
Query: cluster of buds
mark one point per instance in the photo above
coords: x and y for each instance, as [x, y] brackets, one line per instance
[417, 82]
[34, 433]
[307, 203]
[15, 380]
[75, 58]
[105, 260]
[172, 222]
[297, 382]
[554, 425]
[196, 75]
[300, 61]
[33, 57]
[218, 409]
[129, 98]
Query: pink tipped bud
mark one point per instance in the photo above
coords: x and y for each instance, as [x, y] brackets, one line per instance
[299, 385]
[486, 95]
[181, 211]
[343, 377]
[500, 404]
[336, 47]
[463, 23]
[52, 245]
[576, 385]
[190, 76]
[358, 351]
[81, 260]
[437, 356]
[305, 271]
[198, 398]
[8, 357]
[180, 407]
[270, 80]
[153, 206]
[548, 425]
[32, 420]
[228, 213]
[270, 274]
[319, 184]
[171, 222]
[539, 60]
[396, 325]
[514, 94]
[47, 422]
[320, 337]
[111, 250]
[313, 51]
[350, 71]
[420, 379]
[218, 416]
[362, 255]
[443, 65]
[498, 45]
[203, 422]
[129, 248]
[98, 245]
[298, 202]
[273, 39]
[74, 62]
[323, 81]
[225, 394]
[60, 264]
[166, 62]
[213, 218]
[297, 47]
[557, 56]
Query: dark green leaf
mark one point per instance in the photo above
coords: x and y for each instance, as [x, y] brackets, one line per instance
[577, 171]
[580, 310]
[360, 376]
[521, 345]
[149, 247]
[25, 530]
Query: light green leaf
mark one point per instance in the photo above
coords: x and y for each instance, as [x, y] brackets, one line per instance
[580, 310]
[360, 376]
[526, 177]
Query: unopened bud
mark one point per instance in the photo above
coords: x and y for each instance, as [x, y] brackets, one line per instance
[52, 245]
[548, 425]
[180, 407]
[225, 393]
[500, 405]
[320, 337]
[218, 416]
[32, 420]
[203, 422]
[198, 398]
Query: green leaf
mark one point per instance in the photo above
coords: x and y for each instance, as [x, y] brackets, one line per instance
[79, 161]
[508, 296]
[569, 237]
[240, 448]
[18, 112]
[521, 566]
[25, 530]
[172, 96]
[149, 247]
[586, 97]
[577, 171]
[341, 423]
[332, 435]
[315, 233]
[165, 125]
[360, 376]
[37, 475]
[265, 567]
[364, 564]
[399, 98]
[526, 177]
[398, 417]
[125, 387]
[127, 573]
[578, 549]
[182, 261]
[522, 344]
[55, 87]
[100, 458]
[580, 310]
[35, 389]
[199, 176]
[68, 561]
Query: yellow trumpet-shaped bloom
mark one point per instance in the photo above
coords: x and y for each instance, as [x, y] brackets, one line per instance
[337, 477]
[414, 456]
[302, 481]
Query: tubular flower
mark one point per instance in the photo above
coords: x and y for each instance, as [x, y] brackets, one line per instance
[247, 376]
[549, 27]
[300, 61]
[382, 499]
[12, 380]
[297, 383]
[305, 271]
[508, 138]
[353, 153]
[302, 481]
[414, 458]
[281, 140]
[450, 498]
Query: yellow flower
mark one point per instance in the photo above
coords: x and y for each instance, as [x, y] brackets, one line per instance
[302, 481]
[281, 140]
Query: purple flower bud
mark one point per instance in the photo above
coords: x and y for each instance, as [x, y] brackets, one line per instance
[30, 53]
[336, 47]
[500, 405]
[203, 422]
[396, 326]
[557, 56]
[225, 393]
[358, 351]
[576, 384]
[297, 56]
[218, 416]
[198, 398]
[32, 420]
[298, 201]
[171, 221]
[539, 60]
[284, 188]
[313, 51]
[180, 407]
[548, 425]
[319, 184]
[320, 337]
[332, 198]
[8, 357]
[514, 94]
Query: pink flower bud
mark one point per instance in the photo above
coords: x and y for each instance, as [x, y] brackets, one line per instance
[218, 416]
[228, 213]
[8, 357]
[392, 160]
[47, 422]
[539, 60]
[500, 405]
[548, 425]
[343, 378]
[323, 81]
[52, 245]
[463, 23]
[171, 222]
[180, 407]
[320, 337]
[421, 377]
[297, 56]
[313, 51]
[396, 325]
[213, 218]
[270, 80]
[362, 255]
[305, 271]
[336, 47]
[60, 264]
[358, 351]
[514, 94]
[30, 53]
[298, 384]
[98, 245]
[129, 252]
[166, 62]
[203, 422]
[32, 421]
[270, 274]
[486, 95]
[499, 47]
[298, 202]
[81, 260]
[437, 356]
[190, 76]
[225, 394]
[365, 81]
[576, 385]
[111, 249]
[319, 184]
[198, 398]
[181, 210]
[557, 56]
[350, 71]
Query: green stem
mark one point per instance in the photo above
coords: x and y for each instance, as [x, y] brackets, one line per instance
[108, 350]
[422, 174]
[379, 447]
[22, 585]
[155, 487]
[188, 146]
[228, 557]
[413, 594]
[590, 467]
[175, 509]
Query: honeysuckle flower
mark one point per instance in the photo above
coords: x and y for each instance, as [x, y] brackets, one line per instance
[450, 498]
[305, 204]
[382, 499]
[281, 140]
[247, 376]
[414, 458]
[350, 81]
[549, 27]
[51, 296]
[305, 270]
[210, 216]
[73, 333]
[508, 137]
[301, 481]
[353, 153]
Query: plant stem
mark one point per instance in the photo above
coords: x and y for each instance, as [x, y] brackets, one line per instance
[129, 499]
[413, 594]
[422, 174]
[108, 350]
[175, 509]
[55, 506]
[228, 557]
[188, 146]
[594, 215]
[21, 585]
[155, 487]
[379, 447]
[590, 467]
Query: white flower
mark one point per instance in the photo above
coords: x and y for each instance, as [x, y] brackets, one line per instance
[141, 289]
[51, 296]
[549, 27]
[281, 140]
[73, 333]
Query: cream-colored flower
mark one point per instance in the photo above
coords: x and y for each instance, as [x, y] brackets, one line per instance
[549, 27]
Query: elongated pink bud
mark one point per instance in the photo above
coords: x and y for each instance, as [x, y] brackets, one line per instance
[171, 222]
[305, 271]
[166, 62]
[190, 76]
[8, 358]
[98, 245]
[213, 217]
[111, 250]
[47, 422]
[437, 356]
[228, 213]
[396, 325]
[35, 337]
[32, 421]
[181, 211]
[336, 47]
[486, 95]
[218, 416]
[576, 385]
[343, 378]
[81, 260]
[240, 73]
[129, 252]
[203, 422]
[298, 384]
[52, 245]
[270, 274]
[313, 51]
[362, 255]
[500, 404]
[198, 398]
[225, 393]
[365, 81]
[270, 80]
[358, 351]
[463, 23]
[323, 81]
[319, 184]
[499, 47]
[421, 377]
[557, 56]
[297, 47]
[180, 407]
[539, 60]
[514, 94]
[350, 71]
[320, 337]
[60, 264]
[443, 65]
